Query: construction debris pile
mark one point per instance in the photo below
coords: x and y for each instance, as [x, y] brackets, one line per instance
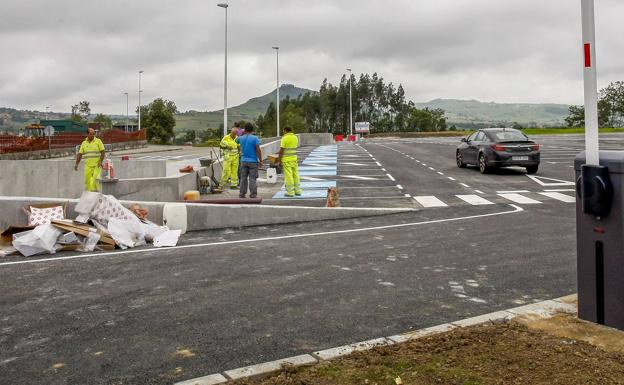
[103, 223]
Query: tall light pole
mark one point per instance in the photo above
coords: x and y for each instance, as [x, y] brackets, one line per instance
[590, 82]
[225, 121]
[350, 105]
[127, 110]
[140, 90]
[277, 109]
[47, 109]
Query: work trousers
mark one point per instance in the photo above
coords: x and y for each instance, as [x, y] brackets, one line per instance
[249, 174]
[230, 170]
[91, 178]
[291, 177]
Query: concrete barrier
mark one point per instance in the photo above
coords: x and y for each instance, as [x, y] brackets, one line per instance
[207, 216]
[57, 178]
[159, 189]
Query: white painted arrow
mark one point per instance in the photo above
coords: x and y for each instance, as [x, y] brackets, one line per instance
[553, 182]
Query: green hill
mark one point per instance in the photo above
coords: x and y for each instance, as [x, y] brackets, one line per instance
[462, 112]
[195, 120]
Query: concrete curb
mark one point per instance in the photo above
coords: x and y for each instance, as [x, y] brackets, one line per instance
[202, 216]
[544, 309]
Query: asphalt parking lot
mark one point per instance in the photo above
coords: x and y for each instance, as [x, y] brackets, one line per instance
[229, 298]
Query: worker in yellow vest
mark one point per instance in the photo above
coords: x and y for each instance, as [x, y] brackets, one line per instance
[92, 150]
[230, 150]
[288, 159]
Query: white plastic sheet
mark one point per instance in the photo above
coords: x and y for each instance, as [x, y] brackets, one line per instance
[127, 234]
[167, 239]
[40, 240]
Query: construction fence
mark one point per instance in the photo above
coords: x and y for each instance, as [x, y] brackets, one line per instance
[15, 143]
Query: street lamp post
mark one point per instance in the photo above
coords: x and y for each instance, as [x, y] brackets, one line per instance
[46, 114]
[127, 110]
[225, 122]
[350, 105]
[140, 90]
[277, 109]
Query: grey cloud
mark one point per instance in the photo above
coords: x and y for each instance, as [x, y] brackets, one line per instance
[58, 52]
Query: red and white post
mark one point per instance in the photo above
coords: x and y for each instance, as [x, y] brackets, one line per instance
[591, 85]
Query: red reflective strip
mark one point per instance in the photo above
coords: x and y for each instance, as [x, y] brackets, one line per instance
[587, 55]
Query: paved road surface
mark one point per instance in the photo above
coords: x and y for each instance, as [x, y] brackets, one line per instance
[252, 295]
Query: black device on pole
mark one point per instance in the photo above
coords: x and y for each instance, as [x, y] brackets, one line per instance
[600, 239]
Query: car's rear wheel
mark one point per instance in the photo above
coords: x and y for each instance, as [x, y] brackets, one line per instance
[483, 166]
[532, 169]
[460, 159]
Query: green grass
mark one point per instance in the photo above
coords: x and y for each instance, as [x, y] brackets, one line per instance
[566, 130]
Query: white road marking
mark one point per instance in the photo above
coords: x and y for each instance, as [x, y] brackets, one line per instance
[431, 168]
[430, 201]
[513, 191]
[424, 164]
[521, 199]
[358, 177]
[383, 169]
[561, 190]
[479, 192]
[465, 185]
[550, 182]
[400, 187]
[441, 173]
[309, 178]
[391, 177]
[474, 200]
[451, 178]
[559, 196]
[408, 196]
[516, 209]
[378, 164]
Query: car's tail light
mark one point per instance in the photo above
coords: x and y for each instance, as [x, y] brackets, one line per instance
[498, 147]
[535, 147]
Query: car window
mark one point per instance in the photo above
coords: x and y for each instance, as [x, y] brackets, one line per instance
[472, 137]
[510, 135]
[479, 137]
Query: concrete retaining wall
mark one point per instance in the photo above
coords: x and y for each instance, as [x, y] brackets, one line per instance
[58, 178]
[206, 216]
[160, 189]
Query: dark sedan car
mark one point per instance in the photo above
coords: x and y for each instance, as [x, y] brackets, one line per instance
[491, 148]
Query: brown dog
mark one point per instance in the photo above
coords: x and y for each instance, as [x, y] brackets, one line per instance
[333, 197]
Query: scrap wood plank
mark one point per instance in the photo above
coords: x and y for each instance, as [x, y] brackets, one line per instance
[84, 230]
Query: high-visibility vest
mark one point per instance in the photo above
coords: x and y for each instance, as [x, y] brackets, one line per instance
[289, 143]
[229, 146]
[91, 151]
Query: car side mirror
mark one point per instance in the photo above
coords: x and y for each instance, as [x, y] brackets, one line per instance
[464, 140]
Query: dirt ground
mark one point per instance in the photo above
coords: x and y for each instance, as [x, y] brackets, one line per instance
[528, 351]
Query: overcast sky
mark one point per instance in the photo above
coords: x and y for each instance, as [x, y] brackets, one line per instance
[56, 53]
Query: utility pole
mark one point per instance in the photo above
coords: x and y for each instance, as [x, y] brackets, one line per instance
[225, 78]
[127, 110]
[277, 106]
[140, 90]
[350, 105]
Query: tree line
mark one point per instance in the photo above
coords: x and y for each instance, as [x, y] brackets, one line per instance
[158, 117]
[381, 104]
[610, 108]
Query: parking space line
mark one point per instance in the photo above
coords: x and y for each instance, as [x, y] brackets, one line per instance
[513, 191]
[399, 187]
[391, 177]
[521, 199]
[561, 190]
[451, 178]
[559, 196]
[479, 192]
[465, 185]
[474, 200]
[430, 201]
